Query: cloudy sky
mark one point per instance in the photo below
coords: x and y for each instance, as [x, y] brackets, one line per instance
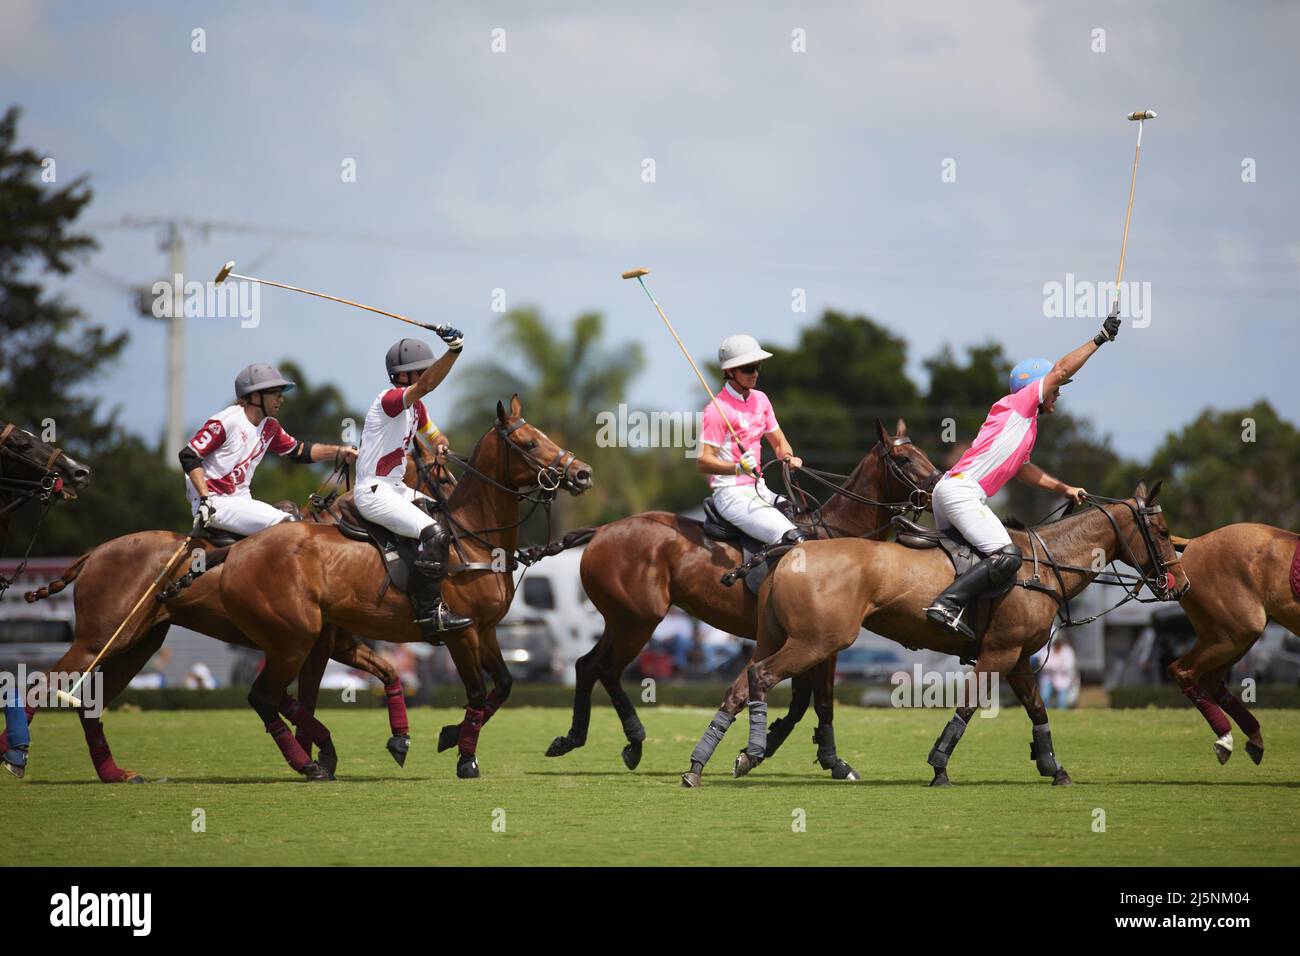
[774, 170]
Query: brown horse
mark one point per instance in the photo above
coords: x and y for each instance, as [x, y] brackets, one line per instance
[284, 585]
[1248, 575]
[110, 579]
[635, 568]
[812, 605]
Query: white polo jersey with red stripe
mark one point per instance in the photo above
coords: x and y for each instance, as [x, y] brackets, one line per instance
[1005, 441]
[387, 434]
[231, 447]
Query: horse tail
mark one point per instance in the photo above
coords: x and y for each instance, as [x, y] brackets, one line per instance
[578, 536]
[59, 583]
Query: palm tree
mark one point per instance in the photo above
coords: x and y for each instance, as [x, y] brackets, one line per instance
[564, 383]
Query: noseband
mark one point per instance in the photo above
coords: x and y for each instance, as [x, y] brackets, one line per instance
[918, 495]
[550, 477]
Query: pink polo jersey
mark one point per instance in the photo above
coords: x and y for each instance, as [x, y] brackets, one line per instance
[752, 418]
[1004, 442]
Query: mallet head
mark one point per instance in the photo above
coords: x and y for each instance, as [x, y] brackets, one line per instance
[1142, 115]
[636, 273]
[225, 271]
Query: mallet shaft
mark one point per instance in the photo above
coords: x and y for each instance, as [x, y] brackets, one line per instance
[70, 696]
[637, 274]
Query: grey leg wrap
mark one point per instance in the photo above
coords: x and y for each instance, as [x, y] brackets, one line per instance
[757, 729]
[712, 737]
[947, 742]
[1041, 752]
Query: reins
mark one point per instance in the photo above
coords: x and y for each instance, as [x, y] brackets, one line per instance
[45, 488]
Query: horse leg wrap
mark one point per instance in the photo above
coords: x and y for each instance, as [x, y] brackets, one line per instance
[494, 701]
[469, 729]
[1211, 711]
[294, 755]
[757, 729]
[1237, 711]
[824, 738]
[100, 755]
[306, 723]
[712, 737]
[1040, 751]
[947, 742]
[633, 730]
[397, 722]
[581, 718]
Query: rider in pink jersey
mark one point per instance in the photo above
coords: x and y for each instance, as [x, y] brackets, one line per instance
[999, 453]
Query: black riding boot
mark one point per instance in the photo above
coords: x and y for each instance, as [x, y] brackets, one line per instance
[991, 573]
[431, 611]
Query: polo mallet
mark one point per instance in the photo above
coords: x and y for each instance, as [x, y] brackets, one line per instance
[69, 696]
[1137, 117]
[637, 274]
[226, 273]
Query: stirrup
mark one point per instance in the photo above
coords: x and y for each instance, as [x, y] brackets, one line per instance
[442, 620]
[943, 616]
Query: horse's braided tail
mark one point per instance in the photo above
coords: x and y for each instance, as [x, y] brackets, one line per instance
[59, 583]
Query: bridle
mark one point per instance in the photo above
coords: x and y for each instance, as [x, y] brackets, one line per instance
[550, 479]
[45, 489]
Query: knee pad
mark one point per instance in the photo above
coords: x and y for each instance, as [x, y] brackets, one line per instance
[1006, 561]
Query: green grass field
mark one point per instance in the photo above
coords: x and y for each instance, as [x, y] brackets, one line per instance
[1166, 799]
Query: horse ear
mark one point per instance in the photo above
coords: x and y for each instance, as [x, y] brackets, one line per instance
[884, 435]
[1140, 492]
[1155, 490]
[900, 430]
[501, 413]
[515, 405]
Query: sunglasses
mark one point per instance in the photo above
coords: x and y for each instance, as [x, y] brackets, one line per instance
[748, 369]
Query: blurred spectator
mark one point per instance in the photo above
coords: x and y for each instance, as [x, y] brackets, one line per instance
[200, 677]
[1059, 678]
[152, 677]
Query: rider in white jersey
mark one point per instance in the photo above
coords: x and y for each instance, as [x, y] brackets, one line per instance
[220, 459]
[396, 419]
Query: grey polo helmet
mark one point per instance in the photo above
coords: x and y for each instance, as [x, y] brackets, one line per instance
[259, 376]
[407, 355]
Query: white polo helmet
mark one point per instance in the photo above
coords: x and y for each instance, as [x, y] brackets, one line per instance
[738, 350]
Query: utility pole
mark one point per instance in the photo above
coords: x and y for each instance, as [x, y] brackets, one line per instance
[174, 246]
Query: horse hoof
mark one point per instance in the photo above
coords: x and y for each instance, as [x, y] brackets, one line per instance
[632, 755]
[314, 772]
[744, 763]
[691, 780]
[448, 737]
[561, 746]
[1256, 753]
[941, 779]
[398, 745]
[1062, 779]
[842, 771]
[329, 759]
[467, 767]
[1223, 748]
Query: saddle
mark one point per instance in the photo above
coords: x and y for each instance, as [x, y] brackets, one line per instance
[720, 529]
[963, 556]
[221, 538]
[395, 551]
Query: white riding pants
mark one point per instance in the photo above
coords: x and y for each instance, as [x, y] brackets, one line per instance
[391, 505]
[960, 503]
[241, 514]
[751, 508]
